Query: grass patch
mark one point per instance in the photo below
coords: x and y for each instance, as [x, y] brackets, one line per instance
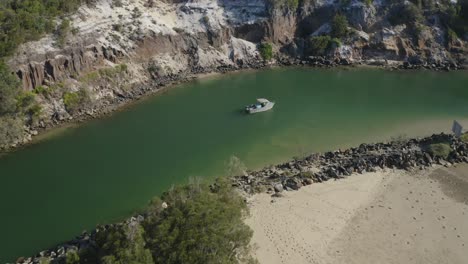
[464, 137]
[114, 71]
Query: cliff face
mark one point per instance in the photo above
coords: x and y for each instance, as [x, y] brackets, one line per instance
[162, 41]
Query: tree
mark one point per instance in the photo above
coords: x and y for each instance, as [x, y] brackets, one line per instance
[11, 129]
[124, 244]
[405, 13]
[8, 90]
[339, 26]
[200, 225]
[318, 44]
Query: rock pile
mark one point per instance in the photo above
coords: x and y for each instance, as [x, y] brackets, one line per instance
[80, 243]
[406, 155]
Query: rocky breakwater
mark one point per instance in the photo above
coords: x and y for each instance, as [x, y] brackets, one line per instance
[441, 149]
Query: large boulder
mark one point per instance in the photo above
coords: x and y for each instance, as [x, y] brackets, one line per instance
[293, 183]
[278, 187]
[361, 15]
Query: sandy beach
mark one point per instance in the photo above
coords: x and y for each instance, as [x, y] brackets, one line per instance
[382, 217]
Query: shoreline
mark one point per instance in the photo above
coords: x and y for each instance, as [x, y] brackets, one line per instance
[410, 156]
[159, 87]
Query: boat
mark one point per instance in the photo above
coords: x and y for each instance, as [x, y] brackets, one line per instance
[262, 105]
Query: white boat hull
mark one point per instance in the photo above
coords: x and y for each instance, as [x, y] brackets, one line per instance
[267, 107]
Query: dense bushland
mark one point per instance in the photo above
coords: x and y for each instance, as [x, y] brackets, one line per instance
[26, 20]
[196, 223]
[22, 21]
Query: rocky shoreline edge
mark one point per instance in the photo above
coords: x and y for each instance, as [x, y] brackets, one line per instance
[144, 90]
[412, 154]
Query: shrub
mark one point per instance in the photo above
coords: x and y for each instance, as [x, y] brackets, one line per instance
[44, 260]
[25, 100]
[345, 3]
[62, 32]
[368, 2]
[339, 26]
[405, 14]
[75, 101]
[136, 13]
[11, 128]
[319, 44]
[200, 225]
[266, 51]
[71, 101]
[117, 27]
[451, 35]
[41, 90]
[8, 89]
[123, 244]
[336, 42]
[113, 72]
[72, 258]
[235, 167]
[90, 77]
[441, 150]
[456, 18]
[290, 4]
[464, 137]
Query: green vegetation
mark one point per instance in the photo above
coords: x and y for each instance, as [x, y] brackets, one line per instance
[464, 137]
[10, 128]
[455, 18]
[123, 244]
[318, 45]
[72, 258]
[266, 51]
[75, 101]
[8, 90]
[407, 13]
[368, 2]
[27, 104]
[44, 261]
[196, 223]
[290, 4]
[113, 72]
[235, 167]
[441, 150]
[62, 32]
[339, 26]
[200, 225]
[27, 20]
[451, 35]
[345, 3]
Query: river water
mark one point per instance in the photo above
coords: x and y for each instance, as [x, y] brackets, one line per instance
[107, 169]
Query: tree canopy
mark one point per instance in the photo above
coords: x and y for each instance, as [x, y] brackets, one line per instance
[26, 20]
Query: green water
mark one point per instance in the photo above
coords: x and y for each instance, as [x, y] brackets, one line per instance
[107, 169]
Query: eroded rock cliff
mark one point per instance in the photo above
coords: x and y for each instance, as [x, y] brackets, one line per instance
[119, 50]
